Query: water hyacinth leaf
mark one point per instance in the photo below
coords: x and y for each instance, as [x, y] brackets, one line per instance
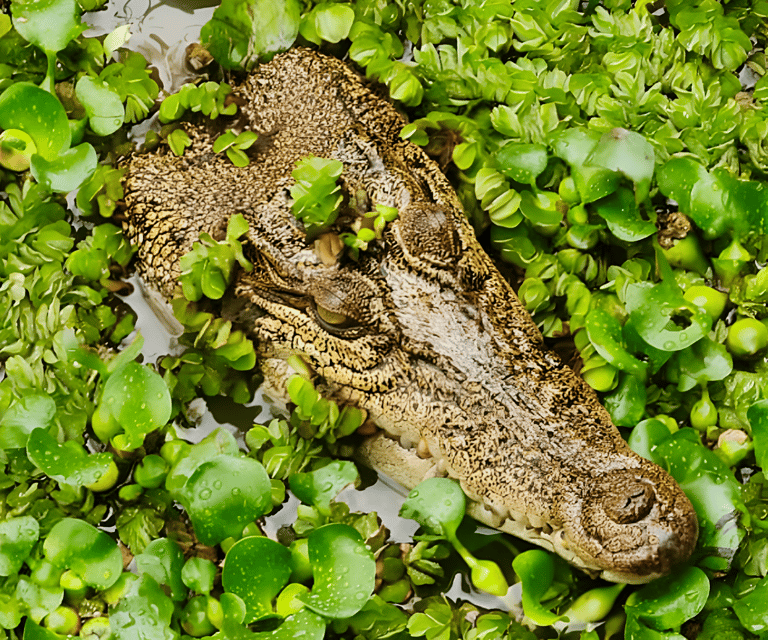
[332, 22]
[144, 611]
[49, 24]
[37, 113]
[256, 569]
[304, 624]
[713, 491]
[344, 571]
[677, 177]
[33, 631]
[629, 154]
[38, 600]
[536, 570]
[88, 552]
[752, 607]
[627, 403]
[703, 361]
[69, 462]
[521, 162]
[241, 33]
[594, 183]
[219, 442]
[17, 539]
[621, 214]
[670, 601]
[757, 415]
[322, 485]
[30, 412]
[138, 398]
[663, 317]
[574, 145]
[225, 494]
[541, 208]
[438, 505]
[646, 435]
[604, 332]
[68, 171]
[102, 104]
[163, 560]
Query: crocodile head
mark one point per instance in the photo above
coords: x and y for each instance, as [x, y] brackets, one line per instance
[422, 331]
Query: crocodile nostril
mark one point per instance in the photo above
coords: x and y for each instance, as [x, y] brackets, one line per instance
[631, 501]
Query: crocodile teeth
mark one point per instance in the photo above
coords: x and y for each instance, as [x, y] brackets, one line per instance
[422, 450]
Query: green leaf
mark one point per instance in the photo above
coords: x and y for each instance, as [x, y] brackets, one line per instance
[241, 33]
[69, 462]
[332, 22]
[40, 115]
[163, 560]
[670, 601]
[663, 317]
[752, 607]
[225, 494]
[102, 104]
[49, 24]
[520, 161]
[604, 332]
[30, 412]
[138, 399]
[68, 171]
[319, 487]
[256, 569]
[143, 612]
[712, 489]
[627, 403]
[178, 140]
[344, 571]
[88, 552]
[17, 539]
[629, 154]
[536, 571]
[703, 361]
[437, 504]
[757, 415]
[622, 216]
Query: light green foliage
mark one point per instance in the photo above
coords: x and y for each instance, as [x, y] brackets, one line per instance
[316, 195]
[208, 98]
[235, 146]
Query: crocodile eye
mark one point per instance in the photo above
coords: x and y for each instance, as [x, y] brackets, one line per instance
[331, 317]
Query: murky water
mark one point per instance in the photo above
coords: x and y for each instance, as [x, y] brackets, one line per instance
[161, 31]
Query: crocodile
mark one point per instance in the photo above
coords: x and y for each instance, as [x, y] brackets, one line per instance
[421, 330]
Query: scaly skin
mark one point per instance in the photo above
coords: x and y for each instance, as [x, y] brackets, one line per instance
[428, 337]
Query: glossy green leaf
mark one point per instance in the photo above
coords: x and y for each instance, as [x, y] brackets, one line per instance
[751, 609]
[68, 462]
[677, 177]
[218, 442]
[713, 491]
[646, 435]
[138, 399]
[225, 494]
[332, 22]
[536, 571]
[626, 403]
[574, 145]
[102, 104]
[541, 208]
[256, 569]
[437, 504]
[49, 24]
[628, 153]
[663, 317]
[38, 600]
[163, 559]
[81, 547]
[17, 538]
[344, 571]
[241, 33]
[521, 162]
[33, 631]
[68, 171]
[143, 612]
[27, 107]
[604, 332]
[305, 625]
[670, 601]
[621, 214]
[757, 415]
[594, 183]
[30, 412]
[322, 485]
[703, 361]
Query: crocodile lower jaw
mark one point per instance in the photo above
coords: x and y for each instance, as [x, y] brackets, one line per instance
[409, 465]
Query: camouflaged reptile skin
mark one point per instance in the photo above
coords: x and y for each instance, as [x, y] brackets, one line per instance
[422, 331]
